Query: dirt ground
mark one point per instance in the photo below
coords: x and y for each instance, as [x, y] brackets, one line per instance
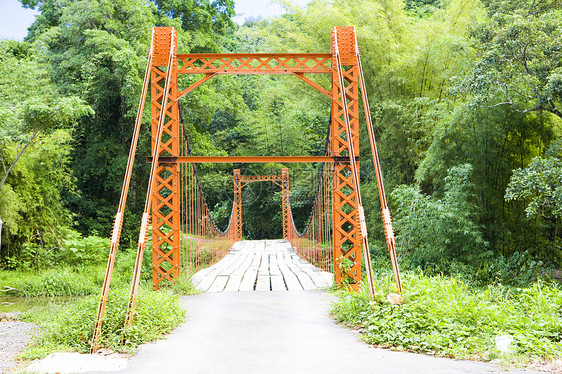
[14, 336]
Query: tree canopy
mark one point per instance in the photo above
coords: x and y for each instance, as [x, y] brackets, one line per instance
[465, 96]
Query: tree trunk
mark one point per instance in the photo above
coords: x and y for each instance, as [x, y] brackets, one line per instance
[1, 223]
[18, 155]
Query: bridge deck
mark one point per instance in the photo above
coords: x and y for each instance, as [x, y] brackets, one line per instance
[261, 265]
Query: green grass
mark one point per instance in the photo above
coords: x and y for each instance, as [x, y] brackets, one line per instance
[70, 328]
[74, 280]
[445, 317]
[60, 281]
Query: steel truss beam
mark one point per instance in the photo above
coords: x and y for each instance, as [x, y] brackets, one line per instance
[246, 179]
[212, 64]
[254, 63]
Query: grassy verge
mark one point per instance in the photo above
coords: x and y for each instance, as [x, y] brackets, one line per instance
[71, 328]
[74, 280]
[444, 316]
[60, 281]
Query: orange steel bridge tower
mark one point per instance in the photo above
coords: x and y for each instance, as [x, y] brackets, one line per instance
[164, 196]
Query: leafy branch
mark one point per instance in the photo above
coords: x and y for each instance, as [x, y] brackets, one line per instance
[38, 116]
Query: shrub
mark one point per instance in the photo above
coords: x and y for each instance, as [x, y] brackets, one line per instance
[433, 233]
[444, 316]
[72, 250]
[72, 327]
[84, 251]
[86, 280]
[539, 186]
[60, 281]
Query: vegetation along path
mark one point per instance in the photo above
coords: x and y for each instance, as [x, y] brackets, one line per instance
[269, 329]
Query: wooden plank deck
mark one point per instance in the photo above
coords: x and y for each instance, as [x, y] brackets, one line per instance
[261, 265]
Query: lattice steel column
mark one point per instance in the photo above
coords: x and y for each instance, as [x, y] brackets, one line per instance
[347, 239]
[237, 211]
[165, 198]
[285, 201]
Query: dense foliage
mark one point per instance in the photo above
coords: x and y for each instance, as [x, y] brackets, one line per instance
[465, 97]
[445, 316]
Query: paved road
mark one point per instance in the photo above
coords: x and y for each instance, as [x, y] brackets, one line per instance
[277, 332]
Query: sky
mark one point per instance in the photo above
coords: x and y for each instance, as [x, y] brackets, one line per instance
[14, 19]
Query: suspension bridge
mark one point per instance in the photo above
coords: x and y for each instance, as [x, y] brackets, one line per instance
[185, 237]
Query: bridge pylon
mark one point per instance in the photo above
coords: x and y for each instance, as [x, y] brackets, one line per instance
[165, 198]
[345, 218]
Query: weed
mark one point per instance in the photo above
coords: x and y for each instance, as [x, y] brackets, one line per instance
[61, 281]
[71, 327]
[75, 280]
[345, 264]
[444, 316]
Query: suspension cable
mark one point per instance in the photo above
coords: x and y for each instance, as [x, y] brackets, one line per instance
[387, 221]
[198, 183]
[118, 223]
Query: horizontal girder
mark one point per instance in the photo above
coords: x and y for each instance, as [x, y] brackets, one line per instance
[249, 159]
[245, 179]
[254, 63]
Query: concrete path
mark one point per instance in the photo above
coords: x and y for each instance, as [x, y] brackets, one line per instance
[262, 265]
[277, 332]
